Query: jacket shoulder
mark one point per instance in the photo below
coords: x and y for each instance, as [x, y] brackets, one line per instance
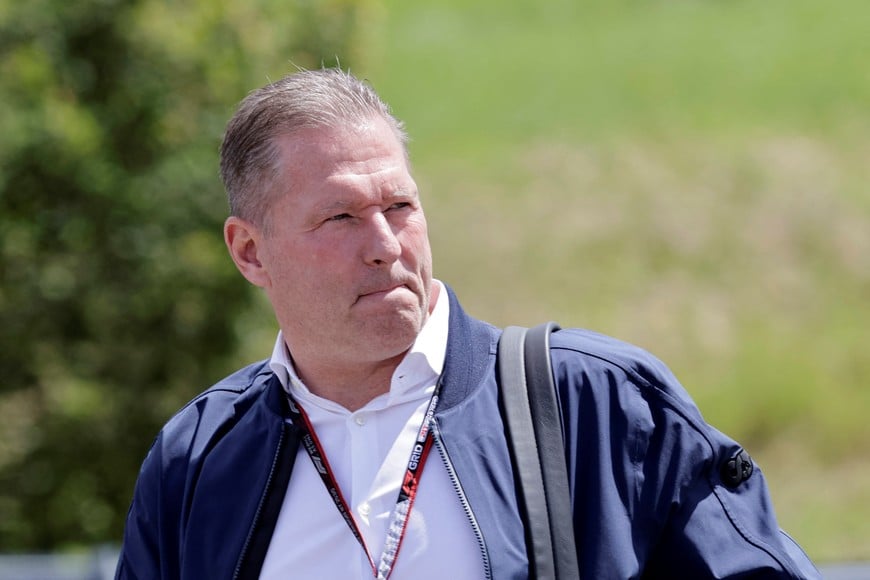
[240, 380]
[220, 442]
[208, 414]
[600, 356]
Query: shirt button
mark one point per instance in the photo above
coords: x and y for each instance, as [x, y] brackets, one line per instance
[360, 420]
[365, 509]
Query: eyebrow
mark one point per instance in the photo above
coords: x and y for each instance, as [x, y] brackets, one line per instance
[333, 207]
[341, 205]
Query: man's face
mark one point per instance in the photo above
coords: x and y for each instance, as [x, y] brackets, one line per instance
[346, 253]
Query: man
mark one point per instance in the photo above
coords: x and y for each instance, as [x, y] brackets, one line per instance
[310, 464]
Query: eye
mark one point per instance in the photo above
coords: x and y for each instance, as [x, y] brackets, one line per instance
[339, 217]
[399, 205]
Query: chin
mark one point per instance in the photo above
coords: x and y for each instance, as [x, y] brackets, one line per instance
[396, 332]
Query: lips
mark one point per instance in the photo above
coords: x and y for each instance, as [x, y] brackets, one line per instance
[381, 290]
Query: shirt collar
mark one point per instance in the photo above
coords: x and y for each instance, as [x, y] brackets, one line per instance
[413, 378]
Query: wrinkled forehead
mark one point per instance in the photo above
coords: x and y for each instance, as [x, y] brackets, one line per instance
[359, 147]
[355, 164]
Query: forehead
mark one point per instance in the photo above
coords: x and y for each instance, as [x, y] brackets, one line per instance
[326, 169]
[322, 153]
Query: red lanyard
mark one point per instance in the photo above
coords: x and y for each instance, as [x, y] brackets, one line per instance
[407, 493]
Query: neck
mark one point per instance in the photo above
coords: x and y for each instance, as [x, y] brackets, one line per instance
[352, 389]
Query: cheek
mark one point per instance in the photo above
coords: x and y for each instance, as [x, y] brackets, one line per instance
[416, 239]
[290, 266]
[310, 256]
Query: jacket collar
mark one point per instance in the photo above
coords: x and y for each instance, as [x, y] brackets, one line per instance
[471, 346]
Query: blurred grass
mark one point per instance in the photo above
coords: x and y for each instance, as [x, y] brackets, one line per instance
[691, 176]
[509, 70]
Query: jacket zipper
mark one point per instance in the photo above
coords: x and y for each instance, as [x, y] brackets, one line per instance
[259, 511]
[457, 487]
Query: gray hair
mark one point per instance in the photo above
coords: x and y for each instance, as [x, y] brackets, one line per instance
[326, 98]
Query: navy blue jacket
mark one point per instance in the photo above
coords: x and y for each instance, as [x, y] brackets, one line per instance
[652, 496]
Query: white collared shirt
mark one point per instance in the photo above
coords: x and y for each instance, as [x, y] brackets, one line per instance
[368, 451]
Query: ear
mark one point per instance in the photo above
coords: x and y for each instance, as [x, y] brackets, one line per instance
[243, 241]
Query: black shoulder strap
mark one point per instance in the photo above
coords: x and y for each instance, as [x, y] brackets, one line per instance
[534, 429]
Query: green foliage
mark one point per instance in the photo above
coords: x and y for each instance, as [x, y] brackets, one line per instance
[118, 300]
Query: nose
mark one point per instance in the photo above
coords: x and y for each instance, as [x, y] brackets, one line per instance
[382, 246]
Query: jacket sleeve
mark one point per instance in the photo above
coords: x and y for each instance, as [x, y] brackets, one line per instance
[658, 492]
[145, 552]
[717, 519]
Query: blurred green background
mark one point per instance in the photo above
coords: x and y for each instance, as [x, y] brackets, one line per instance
[691, 176]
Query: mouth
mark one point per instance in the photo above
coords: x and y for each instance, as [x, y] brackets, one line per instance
[382, 292]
